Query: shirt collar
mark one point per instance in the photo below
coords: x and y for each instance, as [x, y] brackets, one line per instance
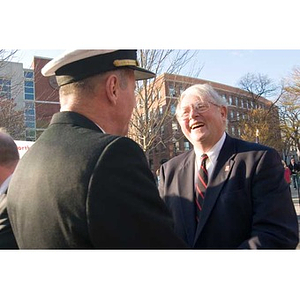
[4, 185]
[99, 127]
[213, 153]
[215, 150]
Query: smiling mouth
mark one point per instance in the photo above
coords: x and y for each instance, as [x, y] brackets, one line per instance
[197, 125]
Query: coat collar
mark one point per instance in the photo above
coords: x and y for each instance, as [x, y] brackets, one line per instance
[70, 117]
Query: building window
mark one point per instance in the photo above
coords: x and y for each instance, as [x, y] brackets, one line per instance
[174, 126]
[5, 88]
[230, 100]
[29, 90]
[173, 109]
[29, 96]
[181, 89]
[30, 134]
[29, 118]
[186, 146]
[28, 86]
[29, 108]
[30, 124]
[28, 74]
[231, 115]
[172, 92]
[242, 103]
[161, 110]
[158, 94]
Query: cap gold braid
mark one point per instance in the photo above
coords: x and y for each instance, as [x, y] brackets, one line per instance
[125, 62]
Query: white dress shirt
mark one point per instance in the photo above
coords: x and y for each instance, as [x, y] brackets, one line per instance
[212, 154]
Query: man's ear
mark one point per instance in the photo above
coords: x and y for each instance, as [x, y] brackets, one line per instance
[112, 88]
[223, 110]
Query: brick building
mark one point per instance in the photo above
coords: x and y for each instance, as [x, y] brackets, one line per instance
[32, 93]
[171, 140]
[46, 96]
[39, 98]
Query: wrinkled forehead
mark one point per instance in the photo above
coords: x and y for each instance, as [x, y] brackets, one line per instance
[192, 98]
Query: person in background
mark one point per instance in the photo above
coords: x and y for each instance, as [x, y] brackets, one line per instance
[83, 183]
[287, 173]
[295, 168]
[225, 193]
[9, 158]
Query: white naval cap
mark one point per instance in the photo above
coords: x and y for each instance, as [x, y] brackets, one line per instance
[76, 65]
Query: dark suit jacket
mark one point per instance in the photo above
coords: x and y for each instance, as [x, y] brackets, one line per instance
[7, 238]
[247, 202]
[79, 188]
[294, 168]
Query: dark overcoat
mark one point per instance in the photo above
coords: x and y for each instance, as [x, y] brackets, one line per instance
[247, 203]
[7, 238]
[77, 187]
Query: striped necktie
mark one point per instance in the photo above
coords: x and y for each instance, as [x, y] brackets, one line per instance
[200, 186]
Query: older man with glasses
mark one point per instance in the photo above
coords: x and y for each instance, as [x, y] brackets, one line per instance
[225, 193]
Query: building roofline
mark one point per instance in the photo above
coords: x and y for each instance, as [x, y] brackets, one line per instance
[43, 57]
[217, 85]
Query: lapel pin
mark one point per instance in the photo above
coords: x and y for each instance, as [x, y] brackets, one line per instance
[226, 168]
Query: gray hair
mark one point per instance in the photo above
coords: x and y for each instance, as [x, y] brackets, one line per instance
[204, 92]
[88, 84]
[9, 153]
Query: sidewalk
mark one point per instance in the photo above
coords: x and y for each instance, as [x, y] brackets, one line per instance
[295, 197]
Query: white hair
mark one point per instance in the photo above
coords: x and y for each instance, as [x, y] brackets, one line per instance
[204, 92]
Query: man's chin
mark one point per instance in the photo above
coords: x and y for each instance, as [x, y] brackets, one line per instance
[197, 135]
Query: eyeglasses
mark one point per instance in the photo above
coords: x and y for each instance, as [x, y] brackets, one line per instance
[199, 107]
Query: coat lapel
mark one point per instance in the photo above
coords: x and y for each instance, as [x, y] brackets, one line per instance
[219, 177]
[186, 188]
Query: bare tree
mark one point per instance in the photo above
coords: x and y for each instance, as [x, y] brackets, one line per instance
[262, 119]
[258, 85]
[6, 56]
[292, 84]
[262, 127]
[290, 112]
[10, 118]
[153, 111]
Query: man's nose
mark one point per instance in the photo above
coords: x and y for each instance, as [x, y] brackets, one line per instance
[193, 112]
